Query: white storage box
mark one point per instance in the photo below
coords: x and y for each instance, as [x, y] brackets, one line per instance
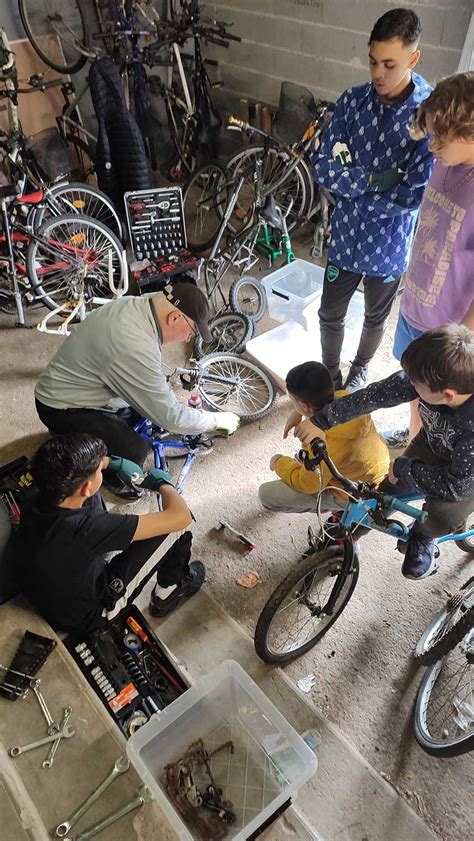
[269, 764]
[294, 292]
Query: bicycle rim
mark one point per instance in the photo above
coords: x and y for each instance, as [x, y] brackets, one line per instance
[251, 398]
[75, 260]
[294, 620]
[443, 721]
[182, 131]
[204, 197]
[54, 27]
[247, 295]
[449, 625]
[80, 198]
[230, 331]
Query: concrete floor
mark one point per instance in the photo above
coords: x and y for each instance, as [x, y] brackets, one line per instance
[366, 679]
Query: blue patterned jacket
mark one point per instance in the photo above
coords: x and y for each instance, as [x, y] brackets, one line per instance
[372, 232]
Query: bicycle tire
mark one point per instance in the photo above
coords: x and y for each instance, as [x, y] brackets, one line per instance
[203, 194]
[443, 737]
[227, 364]
[449, 626]
[34, 17]
[74, 197]
[254, 303]
[93, 284]
[183, 140]
[231, 331]
[467, 544]
[298, 186]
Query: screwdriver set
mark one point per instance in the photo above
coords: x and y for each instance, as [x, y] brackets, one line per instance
[128, 669]
[155, 222]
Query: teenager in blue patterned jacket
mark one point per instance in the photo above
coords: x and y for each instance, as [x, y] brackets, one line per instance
[378, 175]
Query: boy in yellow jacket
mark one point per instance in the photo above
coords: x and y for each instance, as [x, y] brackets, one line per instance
[355, 447]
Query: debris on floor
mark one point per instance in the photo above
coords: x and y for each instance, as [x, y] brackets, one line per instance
[306, 683]
[249, 580]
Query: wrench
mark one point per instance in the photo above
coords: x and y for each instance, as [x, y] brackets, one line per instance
[122, 764]
[142, 796]
[52, 752]
[52, 726]
[65, 733]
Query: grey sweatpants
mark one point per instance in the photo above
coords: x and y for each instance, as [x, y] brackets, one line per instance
[277, 496]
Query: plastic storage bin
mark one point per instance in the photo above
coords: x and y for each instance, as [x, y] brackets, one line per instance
[270, 760]
[294, 292]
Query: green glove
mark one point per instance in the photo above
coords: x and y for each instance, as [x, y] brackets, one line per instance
[380, 182]
[125, 469]
[227, 422]
[154, 479]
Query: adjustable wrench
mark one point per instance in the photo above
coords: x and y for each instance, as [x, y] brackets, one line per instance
[65, 733]
[142, 796]
[122, 764]
[52, 753]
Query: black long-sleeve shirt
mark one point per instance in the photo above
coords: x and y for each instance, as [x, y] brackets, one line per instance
[449, 433]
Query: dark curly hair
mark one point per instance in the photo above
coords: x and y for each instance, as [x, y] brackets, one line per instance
[63, 463]
[397, 23]
[451, 107]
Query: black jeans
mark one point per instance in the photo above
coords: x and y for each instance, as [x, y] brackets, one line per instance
[379, 294]
[443, 517]
[113, 427]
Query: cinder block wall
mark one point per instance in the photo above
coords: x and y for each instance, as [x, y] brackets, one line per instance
[322, 44]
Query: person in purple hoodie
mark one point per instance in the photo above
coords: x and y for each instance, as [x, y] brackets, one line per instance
[439, 286]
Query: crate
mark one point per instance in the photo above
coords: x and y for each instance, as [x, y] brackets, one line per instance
[294, 292]
[270, 760]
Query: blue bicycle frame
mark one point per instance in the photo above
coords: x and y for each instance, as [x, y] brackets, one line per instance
[190, 446]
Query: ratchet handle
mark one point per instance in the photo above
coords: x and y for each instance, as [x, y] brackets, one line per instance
[405, 508]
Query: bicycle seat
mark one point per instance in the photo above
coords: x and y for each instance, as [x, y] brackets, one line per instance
[272, 214]
[31, 198]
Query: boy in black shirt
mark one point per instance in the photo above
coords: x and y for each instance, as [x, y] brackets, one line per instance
[438, 368]
[64, 536]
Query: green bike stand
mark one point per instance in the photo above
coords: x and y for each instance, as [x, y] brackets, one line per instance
[272, 246]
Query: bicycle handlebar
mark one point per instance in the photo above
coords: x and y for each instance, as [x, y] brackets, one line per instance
[405, 508]
[211, 39]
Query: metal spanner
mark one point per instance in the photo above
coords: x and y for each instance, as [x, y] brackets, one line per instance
[65, 733]
[142, 796]
[47, 763]
[122, 764]
[53, 727]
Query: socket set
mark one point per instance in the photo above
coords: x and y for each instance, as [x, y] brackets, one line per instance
[153, 275]
[155, 222]
[128, 669]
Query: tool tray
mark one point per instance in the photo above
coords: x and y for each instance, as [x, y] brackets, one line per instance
[15, 487]
[136, 678]
[155, 222]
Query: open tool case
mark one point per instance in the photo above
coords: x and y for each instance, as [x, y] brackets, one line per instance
[129, 669]
[15, 487]
[158, 236]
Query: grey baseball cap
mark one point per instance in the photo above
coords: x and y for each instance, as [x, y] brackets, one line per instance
[193, 303]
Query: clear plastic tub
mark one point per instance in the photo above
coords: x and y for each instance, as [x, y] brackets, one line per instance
[269, 764]
[294, 292]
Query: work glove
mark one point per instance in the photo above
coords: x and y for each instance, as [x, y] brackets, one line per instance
[380, 182]
[125, 469]
[154, 479]
[227, 422]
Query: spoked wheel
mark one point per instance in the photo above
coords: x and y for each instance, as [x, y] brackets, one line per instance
[247, 296]
[294, 618]
[231, 332]
[467, 543]
[70, 198]
[443, 721]
[232, 384]
[57, 31]
[449, 626]
[74, 260]
[182, 129]
[205, 200]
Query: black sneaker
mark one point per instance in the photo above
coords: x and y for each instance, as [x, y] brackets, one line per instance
[191, 583]
[356, 378]
[337, 380]
[120, 489]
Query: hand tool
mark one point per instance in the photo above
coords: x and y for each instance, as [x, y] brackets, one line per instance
[53, 727]
[247, 541]
[47, 763]
[142, 796]
[65, 733]
[121, 765]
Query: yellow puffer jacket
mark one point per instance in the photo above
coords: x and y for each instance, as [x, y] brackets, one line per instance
[356, 449]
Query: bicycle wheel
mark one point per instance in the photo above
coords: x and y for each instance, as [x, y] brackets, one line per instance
[231, 332]
[182, 129]
[449, 626]
[48, 21]
[443, 722]
[251, 395]
[297, 186]
[79, 198]
[247, 295]
[75, 259]
[293, 619]
[204, 202]
[467, 544]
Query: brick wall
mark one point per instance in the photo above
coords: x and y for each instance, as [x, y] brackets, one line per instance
[322, 44]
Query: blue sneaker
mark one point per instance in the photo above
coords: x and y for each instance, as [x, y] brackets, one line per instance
[421, 558]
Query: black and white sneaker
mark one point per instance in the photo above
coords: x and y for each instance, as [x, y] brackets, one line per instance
[357, 377]
[191, 583]
[120, 489]
[397, 439]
